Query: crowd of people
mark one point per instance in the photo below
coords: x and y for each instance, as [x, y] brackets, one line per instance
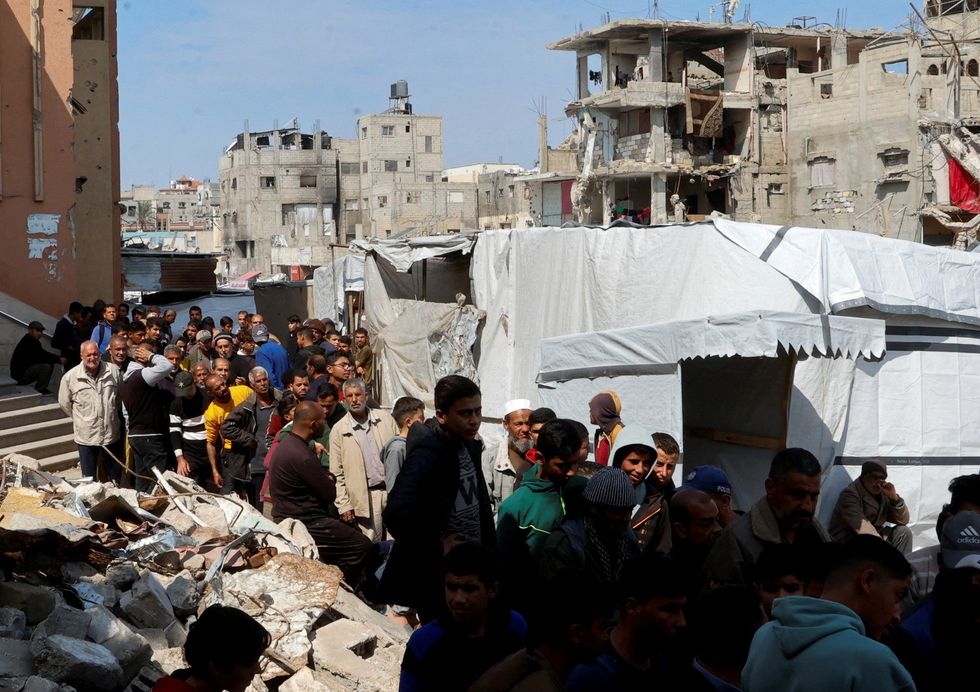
[558, 558]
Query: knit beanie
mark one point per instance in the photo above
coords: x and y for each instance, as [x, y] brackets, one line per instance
[610, 487]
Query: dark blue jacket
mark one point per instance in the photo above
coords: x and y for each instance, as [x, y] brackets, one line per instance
[418, 510]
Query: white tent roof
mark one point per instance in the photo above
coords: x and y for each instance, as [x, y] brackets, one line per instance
[401, 253]
[846, 269]
[627, 350]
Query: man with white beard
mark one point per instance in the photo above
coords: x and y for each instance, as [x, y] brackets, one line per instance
[505, 463]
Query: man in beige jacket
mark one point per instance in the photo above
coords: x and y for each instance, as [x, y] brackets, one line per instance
[88, 394]
[867, 504]
[356, 442]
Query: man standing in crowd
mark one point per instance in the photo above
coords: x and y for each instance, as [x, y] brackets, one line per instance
[784, 515]
[694, 524]
[297, 382]
[293, 323]
[188, 436]
[363, 356]
[830, 643]
[938, 640]
[781, 570]
[267, 399]
[243, 321]
[668, 454]
[317, 369]
[88, 394]
[601, 541]
[714, 481]
[169, 317]
[538, 506]
[301, 490]
[30, 363]
[866, 504]
[270, 355]
[539, 417]
[452, 652]
[229, 457]
[504, 464]
[306, 348]
[102, 331]
[564, 629]
[407, 411]
[67, 339]
[119, 353]
[440, 498]
[201, 351]
[356, 442]
[339, 370]
[240, 366]
[635, 454]
[147, 405]
[651, 594]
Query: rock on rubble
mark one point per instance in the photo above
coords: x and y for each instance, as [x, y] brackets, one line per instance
[87, 666]
[147, 605]
[351, 651]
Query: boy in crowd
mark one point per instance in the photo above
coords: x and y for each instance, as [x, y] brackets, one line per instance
[452, 652]
[781, 571]
[407, 411]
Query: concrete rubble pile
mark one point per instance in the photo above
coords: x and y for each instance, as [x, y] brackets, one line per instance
[99, 584]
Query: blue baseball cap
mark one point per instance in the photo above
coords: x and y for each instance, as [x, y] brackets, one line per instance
[709, 479]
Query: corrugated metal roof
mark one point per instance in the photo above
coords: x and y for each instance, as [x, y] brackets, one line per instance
[166, 271]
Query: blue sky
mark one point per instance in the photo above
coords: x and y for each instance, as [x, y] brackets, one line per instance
[192, 71]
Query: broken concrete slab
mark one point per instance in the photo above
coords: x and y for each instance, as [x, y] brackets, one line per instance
[157, 638]
[176, 634]
[349, 606]
[130, 649]
[184, 593]
[16, 658]
[36, 602]
[350, 651]
[102, 624]
[64, 620]
[308, 680]
[121, 575]
[13, 623]
[87, 666]
[147, 605]
[73, 572]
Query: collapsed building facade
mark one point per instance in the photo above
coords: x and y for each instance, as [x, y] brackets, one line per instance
[871, 131]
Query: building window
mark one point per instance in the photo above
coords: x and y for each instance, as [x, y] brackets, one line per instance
[287, 212]
[307, 181]
[429, 178]
[933, 71]
[896, 67]
[234, 183]
[408, 127]
[510, 190]
[349, 168]
[428, 144]
[267, 182]
[826, 91]
[181, 205]
[408, 163]
[486, 196]
[262, 141]
[387, 130]
[822, 171]
[390, 166]
[166, 205]
[131, 210]
[454, 197]
[382, 201]
[364, 203]
[364, 166]
[350, 205]
[973, 68]
[635, 122]
[894, 158]
[89, 24]
[363, 133]
[411, 198]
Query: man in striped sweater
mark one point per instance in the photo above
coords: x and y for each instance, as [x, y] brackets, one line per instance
[187, 433]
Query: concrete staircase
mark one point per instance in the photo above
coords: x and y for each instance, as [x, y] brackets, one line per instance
[35, 426]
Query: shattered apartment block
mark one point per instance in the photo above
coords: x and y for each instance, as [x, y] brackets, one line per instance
[391, 176]
[683, 119]
[871, 131]
[278, 191]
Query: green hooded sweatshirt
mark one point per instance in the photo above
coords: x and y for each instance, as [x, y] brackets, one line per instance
[531, 513]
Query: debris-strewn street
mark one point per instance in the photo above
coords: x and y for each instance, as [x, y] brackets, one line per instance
[100, 585]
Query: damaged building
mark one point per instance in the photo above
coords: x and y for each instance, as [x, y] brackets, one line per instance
[866, 130]
[278, 191]
[392, 179]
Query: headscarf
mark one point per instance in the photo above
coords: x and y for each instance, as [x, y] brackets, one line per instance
[605, 408]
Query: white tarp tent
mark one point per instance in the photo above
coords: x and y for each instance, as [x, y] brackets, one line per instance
[331, 284]
[916, 408]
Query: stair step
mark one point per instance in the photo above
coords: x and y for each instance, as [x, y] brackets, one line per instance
[35, 414]
[19, 401]
[59, 462]
[42, 449]
[35, 432]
